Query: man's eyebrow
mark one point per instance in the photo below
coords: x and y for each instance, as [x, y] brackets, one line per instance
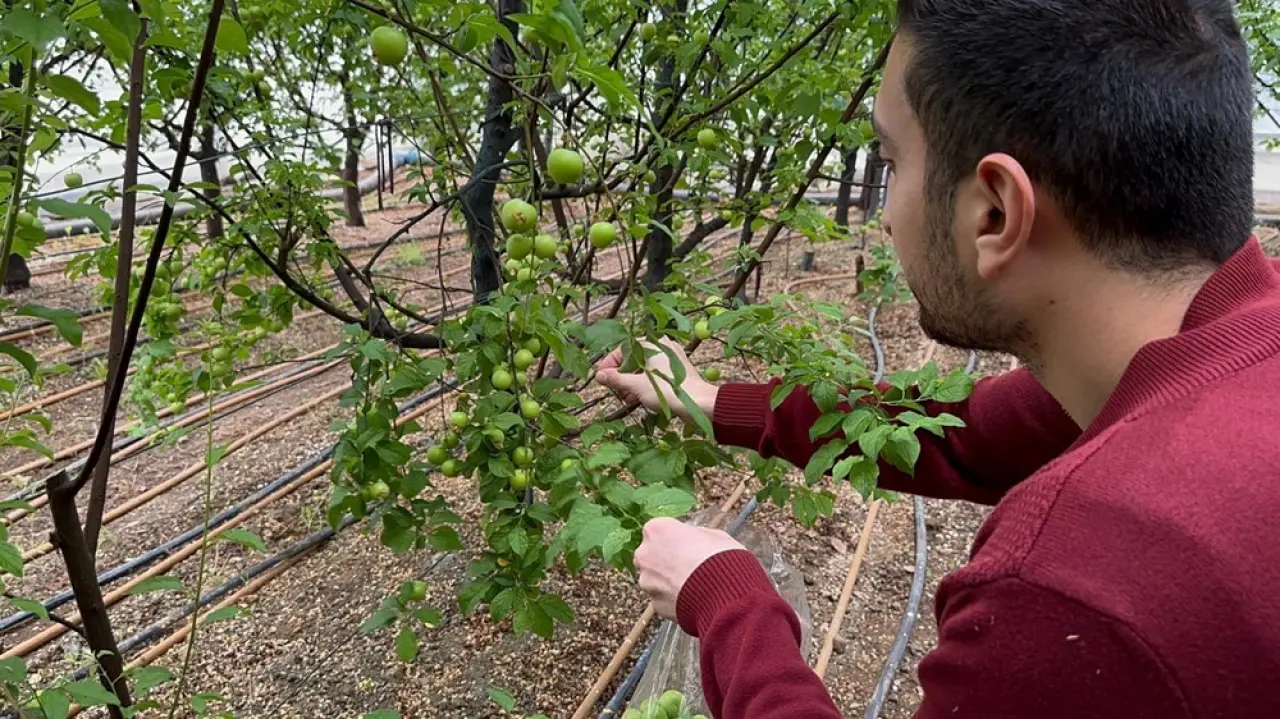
[880, 131]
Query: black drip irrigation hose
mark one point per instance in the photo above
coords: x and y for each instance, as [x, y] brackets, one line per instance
[912, 612]
[36, 488]
[157, 630]
[614, 707]
[168, 548]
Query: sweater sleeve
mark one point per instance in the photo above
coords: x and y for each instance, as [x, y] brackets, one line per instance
[749, 640]
[1006, 650]
[1013, 426]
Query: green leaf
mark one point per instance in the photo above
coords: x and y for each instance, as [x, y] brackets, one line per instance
[90, 693]
[556, 608]
[223, 614]
[593, 533]
[871, 441]
[956, 387]
[822, 459]
[407, 645]
[64, 208]
[429, 616]
[32, 606]
[903, 449]
[825, 395]
[147, 678]
[162, 583]
[502, 699]
[609, 82]
[503, 604]
[29, 27]
[667, 501]
[70, 89]
[857, 422]
[609, 453]
[605, 335]
[518, 540]
[245, 538]
[120, 46]
[780, 394]
[379, 619]
[445, 539]
[231, 38]
[657, 466]
[23, 357]
[26, 438]
[863, 476]
[539, 621]
[10, 559]
[382, 714]
[825, 424]
[615, 543]
[55, 703]
[13, 671]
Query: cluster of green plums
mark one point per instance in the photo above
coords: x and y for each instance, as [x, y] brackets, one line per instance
[671, 705]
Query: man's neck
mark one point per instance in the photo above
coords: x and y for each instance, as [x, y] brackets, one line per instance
[1086, 338]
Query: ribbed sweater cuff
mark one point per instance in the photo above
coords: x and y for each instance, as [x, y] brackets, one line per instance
[716, 583]
[740, 411]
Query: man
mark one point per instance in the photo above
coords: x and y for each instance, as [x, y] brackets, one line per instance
[1071, 184]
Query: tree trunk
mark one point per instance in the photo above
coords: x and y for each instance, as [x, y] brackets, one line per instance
[846, 187]
[207, 157]
[16, 275]
[498, 136]
[351, 161]
[869, 202]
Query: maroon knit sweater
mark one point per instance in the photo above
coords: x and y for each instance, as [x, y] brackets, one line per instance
[1132, 570]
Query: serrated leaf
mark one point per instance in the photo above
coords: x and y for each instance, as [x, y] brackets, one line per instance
[593, 533]
[503, 604]
[539, 621]
[502, 699]
[90, 693]
[615, 543]
[902, 449]
[162, 583]
[609, 82]
[668, 502]
[863, 475]
[956, 387]
[23, 357]
[70, 89]
[407, 645]
[825, 424]
[223, 614]
[243, 537]
[379, 619]
[30, 605]
[857, 422]
[382, 714]
[10, 559]
[605, 335]
[64, 208]
[822, 460]
[609, 453]
[518, 540]
[871, 441]
[825, 395]
[147, 678]
[780, 394]
[13, 670]
[556, 608]
[38, 30]
[445, 539]
[429, 616]
[55, 703]
[231, 38]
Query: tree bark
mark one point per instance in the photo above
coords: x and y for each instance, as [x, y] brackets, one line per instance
[660, 244]
[16, 275]
[82, 571]
[869, 201]
[351, 162]
[498, 136]
[846, 187]
[208, 161]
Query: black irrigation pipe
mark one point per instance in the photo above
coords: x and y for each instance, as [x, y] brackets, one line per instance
[912, 612]
[37, 488]
[169, 547]
[155, 631]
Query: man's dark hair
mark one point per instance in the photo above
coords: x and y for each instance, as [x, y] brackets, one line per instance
[1135, 115]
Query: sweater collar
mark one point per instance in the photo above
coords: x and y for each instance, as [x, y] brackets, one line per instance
[1232, 322]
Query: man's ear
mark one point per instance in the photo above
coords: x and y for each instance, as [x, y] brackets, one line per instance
[998, 210]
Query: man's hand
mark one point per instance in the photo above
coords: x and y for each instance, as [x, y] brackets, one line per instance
[669, 554]
[636, 386]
